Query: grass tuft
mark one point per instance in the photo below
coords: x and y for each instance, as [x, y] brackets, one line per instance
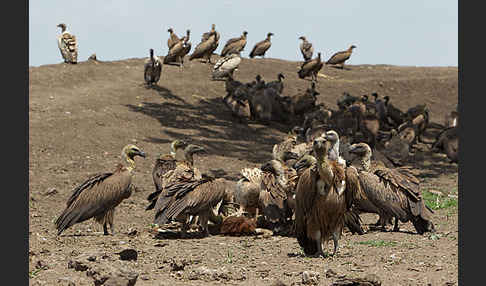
[436, 202]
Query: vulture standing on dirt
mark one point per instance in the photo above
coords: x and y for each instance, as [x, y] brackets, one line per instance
[311, 68]
[209, 43]
[177, 52]
[324, 194]
[234, 45]
[395, 115]
[261, 47]
[173, 38]
[278, 84]
[395, 192]
[191, 197]
[67, 45]
[99, 195]
[152, 69]
[225, 67]
[164, 164]
[306, 49]
[340, 57]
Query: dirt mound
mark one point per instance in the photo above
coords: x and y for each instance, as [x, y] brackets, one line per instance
[80, 116]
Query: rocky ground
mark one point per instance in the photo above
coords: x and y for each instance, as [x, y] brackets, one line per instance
[80, 116]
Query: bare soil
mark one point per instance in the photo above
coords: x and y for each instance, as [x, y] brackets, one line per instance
[80, 117]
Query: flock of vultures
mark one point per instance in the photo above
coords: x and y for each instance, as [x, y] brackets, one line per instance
[333, 165]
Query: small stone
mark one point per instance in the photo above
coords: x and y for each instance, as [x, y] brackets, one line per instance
[128, 254]
[50, 192]
[310, 277]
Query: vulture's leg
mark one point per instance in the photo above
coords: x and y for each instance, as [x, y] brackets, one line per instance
[335, 238]
[185, 227]
[396, 227]
[105, 228]
[204, 218]
[112, 228]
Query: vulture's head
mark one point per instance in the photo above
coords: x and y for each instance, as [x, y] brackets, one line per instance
[280, 76]
[304, 162]
[269, 34]
[352, 47]
[364, 98]
[375, 95]
[130, 151]
[386, 98]
[297, 130]
[332, 136]
[213, 26]
[321, 147]
[170, 30]
[288, 155]
[362, 150]
[62, 26]
[176, 145]
[273, 166]
[192, 149]
[302, 38]
[245, 33]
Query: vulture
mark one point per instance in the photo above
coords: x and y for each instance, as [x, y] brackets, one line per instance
[247, 191]
[305, 102]
[68, 46]
[394, 191]
[164, 164]
[395, 115]
[225, 66]
[177, 52]
[152, 69]
[340, 57]
[191, 197]
[100, 194]
[261, 47]
[234, 45]
[209, 43]
[311, 68]
[325, 192]
[173, 38]
[451, 119]
[278, 84]
[187, 45]
[333, 137]
[306, 49]
[448, 141]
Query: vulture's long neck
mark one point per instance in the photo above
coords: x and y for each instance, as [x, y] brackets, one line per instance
[334, 151]
[129, 162]
[365, 162]
[189, 158]
[325, 171]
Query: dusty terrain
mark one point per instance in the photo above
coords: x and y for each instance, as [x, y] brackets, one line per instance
[80, 116]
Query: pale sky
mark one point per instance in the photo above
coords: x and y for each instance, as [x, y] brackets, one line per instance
[408, 33]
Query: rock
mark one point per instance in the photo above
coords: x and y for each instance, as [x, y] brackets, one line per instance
[107, 274]
[128, 254]
[50, 192]
[204, 273]
[368, 280]
[310, 277]
[65, 281]
[177, 265]
[83, 261]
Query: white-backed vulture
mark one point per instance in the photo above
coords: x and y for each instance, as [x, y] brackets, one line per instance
[261, 47]
[306, 49]
[100, 194]
[311, 68]
[323, 197]
[278, 84]
[177, 52]
[152, 69]
[68, 45]
[395, 192]
[206, 47]
[448, 142]
[173, 38]
[234, 45]
[164, 164]
[340, 57]
[193, 197]
[226, 66]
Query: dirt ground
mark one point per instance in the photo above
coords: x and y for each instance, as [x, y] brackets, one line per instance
[80, 116]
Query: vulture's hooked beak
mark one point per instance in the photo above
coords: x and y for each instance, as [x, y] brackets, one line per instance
[141, 154]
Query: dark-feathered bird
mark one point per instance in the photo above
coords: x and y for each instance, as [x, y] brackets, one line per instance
[340, 57]
[99, 195]
[164, 164]
[311, 68]
[173, 38]
[448, 142]
[209, 43]
[234, 45]
[261, 47]
[277, 84]
[152, 69]
[306, 49]
[322, 199]
[68, 45]
[395, 192]
[193, 197]
[177, 52]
